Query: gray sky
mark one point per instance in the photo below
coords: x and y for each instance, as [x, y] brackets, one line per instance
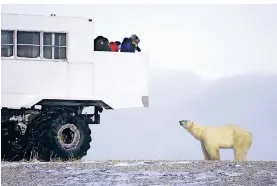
[210, 40]
[213, 64]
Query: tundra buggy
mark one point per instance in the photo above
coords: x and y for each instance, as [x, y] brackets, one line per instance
[54, 85]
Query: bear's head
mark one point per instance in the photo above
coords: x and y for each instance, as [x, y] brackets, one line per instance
[192, 128]
[187, 124]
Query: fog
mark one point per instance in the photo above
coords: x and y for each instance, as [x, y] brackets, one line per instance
[154, 133]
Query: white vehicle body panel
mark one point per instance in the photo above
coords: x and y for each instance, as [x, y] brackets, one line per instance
[118, 79]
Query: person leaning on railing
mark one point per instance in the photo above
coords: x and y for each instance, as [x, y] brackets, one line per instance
[135, 40]
[130, 44]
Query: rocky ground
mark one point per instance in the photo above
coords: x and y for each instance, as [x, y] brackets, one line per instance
[140, 173]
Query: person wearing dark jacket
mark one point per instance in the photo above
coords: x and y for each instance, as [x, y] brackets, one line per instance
[130, 44]
[135, 40]
[101, 44]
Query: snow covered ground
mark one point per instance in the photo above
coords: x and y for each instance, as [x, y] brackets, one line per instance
[140, 173]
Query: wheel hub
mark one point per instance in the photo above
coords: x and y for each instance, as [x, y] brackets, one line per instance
[68, 136]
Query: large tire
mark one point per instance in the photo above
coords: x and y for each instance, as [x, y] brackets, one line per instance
[11, 150]
[46, 137]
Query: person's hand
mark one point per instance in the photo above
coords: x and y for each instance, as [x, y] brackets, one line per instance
[138, 49]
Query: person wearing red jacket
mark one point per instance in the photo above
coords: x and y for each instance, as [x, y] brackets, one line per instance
[113, 46]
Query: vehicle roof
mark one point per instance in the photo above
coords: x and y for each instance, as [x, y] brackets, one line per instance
[40, 15]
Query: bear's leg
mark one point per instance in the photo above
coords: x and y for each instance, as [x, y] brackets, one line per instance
[205, 153]
[241, 147]
[240, 154]
[213, 152]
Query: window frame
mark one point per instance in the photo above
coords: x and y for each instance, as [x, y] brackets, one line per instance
[13, 35]
[16, 44]
[40, 58]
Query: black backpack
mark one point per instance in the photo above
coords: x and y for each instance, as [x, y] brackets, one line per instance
[101, 44]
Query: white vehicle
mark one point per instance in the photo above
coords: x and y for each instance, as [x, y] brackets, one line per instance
[50, 74]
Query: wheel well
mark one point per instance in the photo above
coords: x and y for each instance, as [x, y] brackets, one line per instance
[72, 106]
[76, 106]
[89, 118]
[73, 103]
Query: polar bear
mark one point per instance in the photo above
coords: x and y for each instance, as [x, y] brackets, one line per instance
[212, 138]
